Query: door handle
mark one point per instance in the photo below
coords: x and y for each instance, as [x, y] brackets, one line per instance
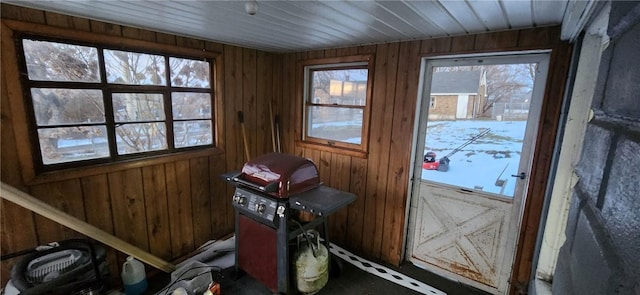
[522, 175]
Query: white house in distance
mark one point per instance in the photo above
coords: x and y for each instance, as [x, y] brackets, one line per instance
[457, 95]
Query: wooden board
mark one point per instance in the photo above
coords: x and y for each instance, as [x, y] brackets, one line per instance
[25, 200]
[66, 196]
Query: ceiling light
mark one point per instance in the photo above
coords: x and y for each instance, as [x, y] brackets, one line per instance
[251, 7]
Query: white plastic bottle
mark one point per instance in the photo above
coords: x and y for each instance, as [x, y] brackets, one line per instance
[133, 277]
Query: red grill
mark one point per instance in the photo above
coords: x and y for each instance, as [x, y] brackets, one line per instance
[270, 191]
[280, 175]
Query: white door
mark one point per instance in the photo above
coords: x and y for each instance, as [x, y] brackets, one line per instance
[465, 215]
[463, 101]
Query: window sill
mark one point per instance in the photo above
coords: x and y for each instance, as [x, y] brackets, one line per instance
[333, 149]
[71, 173]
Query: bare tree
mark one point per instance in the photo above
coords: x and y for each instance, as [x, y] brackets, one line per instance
[504, 81]
[139, 112]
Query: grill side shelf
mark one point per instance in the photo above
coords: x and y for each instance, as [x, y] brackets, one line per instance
[321, 201]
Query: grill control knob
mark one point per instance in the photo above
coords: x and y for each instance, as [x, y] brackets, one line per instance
[240, 200]
[261, 208]
[280, 211]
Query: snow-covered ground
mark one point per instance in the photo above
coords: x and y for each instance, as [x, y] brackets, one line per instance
[479, 164]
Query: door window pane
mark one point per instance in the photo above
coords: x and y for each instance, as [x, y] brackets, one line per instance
[475, 132]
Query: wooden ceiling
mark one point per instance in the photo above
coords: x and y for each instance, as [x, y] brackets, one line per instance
[289, 26]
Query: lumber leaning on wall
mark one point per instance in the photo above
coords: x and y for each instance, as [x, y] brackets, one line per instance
[27, 201]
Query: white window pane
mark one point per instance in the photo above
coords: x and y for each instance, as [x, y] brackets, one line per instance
[341, 87]
[134, 68]
[60, 145]
[189, 73]
[142, 137]
[192, 133]
[67, 106]
[456, 122]
[334, 123]
[50, 61]
[188, 105]
[135, 107]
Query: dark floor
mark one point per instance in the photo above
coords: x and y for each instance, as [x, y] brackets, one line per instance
[351, 280]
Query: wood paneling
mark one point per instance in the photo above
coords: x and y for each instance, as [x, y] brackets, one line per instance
[397, 179]
[463, 43]
[140, 34]
[166, 205]
[384, 85]
[221, 211]
[200, 199]
[340, 179]
[11, 237]
[23, 13]
[65, 196]
[170, 207]
[67, 22]
[98, 210]
[127, 202]
[249, 98]
[375, 222]
[157, 213]
[179, 201]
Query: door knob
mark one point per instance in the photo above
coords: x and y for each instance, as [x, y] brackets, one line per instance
[522, 175]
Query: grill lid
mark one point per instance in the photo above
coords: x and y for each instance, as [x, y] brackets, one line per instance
[279, 175]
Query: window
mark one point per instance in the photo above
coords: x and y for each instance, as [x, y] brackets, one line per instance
[93, 104]
[432, 102]
[336, 103]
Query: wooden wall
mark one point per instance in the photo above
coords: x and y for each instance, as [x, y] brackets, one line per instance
[169, 207]
[374, 225]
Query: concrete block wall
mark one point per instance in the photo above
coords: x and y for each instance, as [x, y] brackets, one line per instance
[602, 252]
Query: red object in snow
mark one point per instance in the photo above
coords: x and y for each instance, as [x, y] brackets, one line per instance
[430, 165]
[430, 162]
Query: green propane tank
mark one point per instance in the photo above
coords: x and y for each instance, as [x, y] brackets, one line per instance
[311, 263]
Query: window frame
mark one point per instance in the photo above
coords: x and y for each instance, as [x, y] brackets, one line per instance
[338, 63]
[31, 162]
